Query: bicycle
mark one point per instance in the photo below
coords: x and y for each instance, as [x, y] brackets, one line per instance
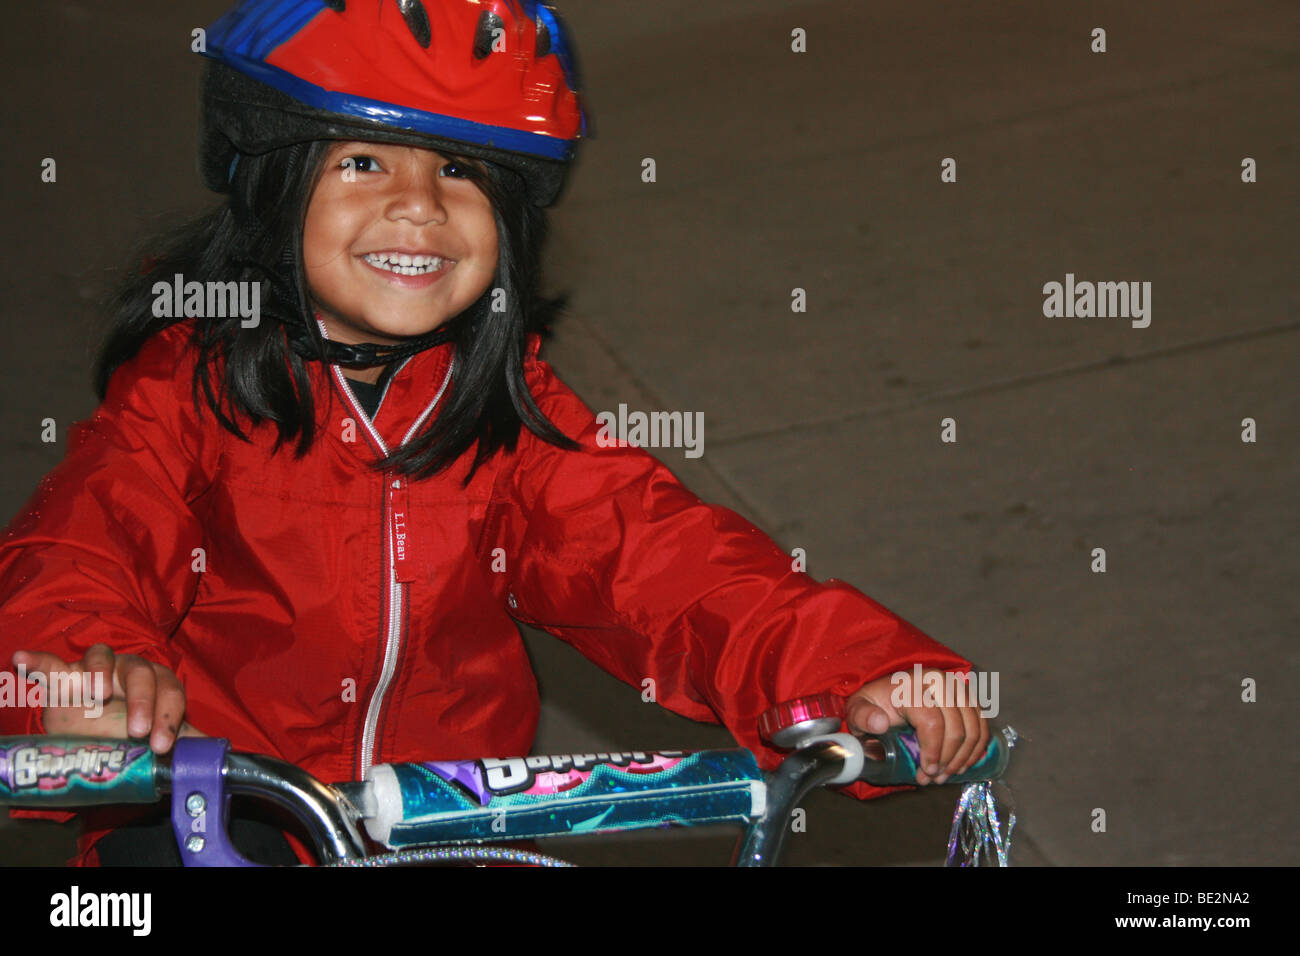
[451, 811]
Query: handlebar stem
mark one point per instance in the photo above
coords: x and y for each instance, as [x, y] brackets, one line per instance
[800, 772]
[330, 821]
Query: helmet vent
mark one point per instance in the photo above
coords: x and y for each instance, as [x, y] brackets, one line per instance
[543, 40]
[338, 6]
[417, 20]
[488, 24]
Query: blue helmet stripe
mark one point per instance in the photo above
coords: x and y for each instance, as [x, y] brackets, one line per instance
[559, 45]
[256, 27]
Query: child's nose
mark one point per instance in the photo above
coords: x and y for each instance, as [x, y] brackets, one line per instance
[419, 200]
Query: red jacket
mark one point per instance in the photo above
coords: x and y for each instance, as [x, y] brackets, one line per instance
[270, 586]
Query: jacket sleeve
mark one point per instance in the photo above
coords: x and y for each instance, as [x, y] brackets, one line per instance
[105, 549]
[646, 580]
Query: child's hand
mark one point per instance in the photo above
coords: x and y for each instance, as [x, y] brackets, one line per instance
[952, 739]
[140, 698]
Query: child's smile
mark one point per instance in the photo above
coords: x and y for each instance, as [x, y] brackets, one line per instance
[397, 241]
[415, 270]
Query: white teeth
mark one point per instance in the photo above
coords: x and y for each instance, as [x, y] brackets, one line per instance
[404, 264]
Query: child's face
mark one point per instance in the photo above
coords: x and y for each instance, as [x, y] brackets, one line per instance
[376, 203]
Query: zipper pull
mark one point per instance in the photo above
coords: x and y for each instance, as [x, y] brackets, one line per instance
[403, 545]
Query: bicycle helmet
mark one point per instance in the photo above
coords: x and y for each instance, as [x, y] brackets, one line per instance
[492, 79]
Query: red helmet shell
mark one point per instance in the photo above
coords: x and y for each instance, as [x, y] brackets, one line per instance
[496, 79]
[369, 51]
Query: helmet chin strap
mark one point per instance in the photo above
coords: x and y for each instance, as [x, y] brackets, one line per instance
[365, 354]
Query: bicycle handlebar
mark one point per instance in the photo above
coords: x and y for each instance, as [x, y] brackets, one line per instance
[38, 771]
[438, 802]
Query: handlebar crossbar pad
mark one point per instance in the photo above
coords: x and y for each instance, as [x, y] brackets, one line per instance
[39, 771]
[519, 798]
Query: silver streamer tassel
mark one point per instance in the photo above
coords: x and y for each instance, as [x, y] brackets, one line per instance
[977, 838]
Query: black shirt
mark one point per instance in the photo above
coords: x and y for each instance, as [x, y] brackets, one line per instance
[368, 396]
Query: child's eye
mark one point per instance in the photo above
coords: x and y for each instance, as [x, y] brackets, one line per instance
[363, 164]
[460, 170]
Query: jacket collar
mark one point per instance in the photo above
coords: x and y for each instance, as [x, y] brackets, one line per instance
[417, 390]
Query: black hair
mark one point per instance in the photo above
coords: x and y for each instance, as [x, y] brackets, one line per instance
[257, 236]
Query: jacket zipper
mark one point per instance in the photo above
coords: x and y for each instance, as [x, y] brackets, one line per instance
[398, 543]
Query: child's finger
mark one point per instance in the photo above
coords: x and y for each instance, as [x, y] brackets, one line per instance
[930, 730]
[969, 725]
[168, 709]
[39, 662]
[42, 665]
[964, 722]
[864, 717]
[977, 730]
[954, 737]
[137, 677]
[101, 660]
[986, 739]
